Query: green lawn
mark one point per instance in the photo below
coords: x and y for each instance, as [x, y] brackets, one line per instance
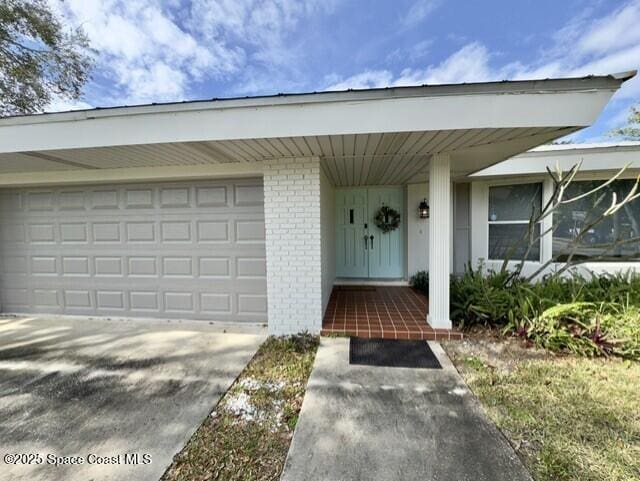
[247, 435]
[569, 418]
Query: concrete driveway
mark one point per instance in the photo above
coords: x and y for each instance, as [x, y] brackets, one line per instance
[101, 392]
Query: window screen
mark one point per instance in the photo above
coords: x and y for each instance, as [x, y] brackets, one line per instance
[510, 209]
[622, 228]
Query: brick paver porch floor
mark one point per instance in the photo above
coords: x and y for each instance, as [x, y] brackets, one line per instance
[388, 312]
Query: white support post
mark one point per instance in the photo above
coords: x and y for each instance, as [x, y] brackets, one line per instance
[439, 240]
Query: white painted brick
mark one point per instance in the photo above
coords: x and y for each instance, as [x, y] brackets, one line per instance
[292, 221]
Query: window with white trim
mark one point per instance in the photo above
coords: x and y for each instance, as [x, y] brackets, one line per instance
[612, 239]
[510, 210]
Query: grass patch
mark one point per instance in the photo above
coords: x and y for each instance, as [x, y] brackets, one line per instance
[247, 436]
[569, 418]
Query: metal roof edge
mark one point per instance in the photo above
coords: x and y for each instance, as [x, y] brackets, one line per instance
[591, 82]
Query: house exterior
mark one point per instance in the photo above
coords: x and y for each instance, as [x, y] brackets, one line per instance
[252, 209]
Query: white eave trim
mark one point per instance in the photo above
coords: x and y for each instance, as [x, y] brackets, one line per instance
[604, 157]
[132, 174]
[548, 103]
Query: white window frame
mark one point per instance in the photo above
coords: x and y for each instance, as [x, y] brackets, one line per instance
[514, 222]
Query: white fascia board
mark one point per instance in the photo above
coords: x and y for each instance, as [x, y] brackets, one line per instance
[134, 174]
[592, 159]
[472, 111]
[586, 147]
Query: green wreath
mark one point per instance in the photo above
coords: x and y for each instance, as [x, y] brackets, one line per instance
[387, 219]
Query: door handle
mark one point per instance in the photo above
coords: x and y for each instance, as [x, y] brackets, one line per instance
[365, 242]
[371, 237]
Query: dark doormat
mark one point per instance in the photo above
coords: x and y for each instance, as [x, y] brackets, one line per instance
[392, 353]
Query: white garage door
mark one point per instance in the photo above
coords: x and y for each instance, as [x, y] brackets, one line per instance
[169, 250]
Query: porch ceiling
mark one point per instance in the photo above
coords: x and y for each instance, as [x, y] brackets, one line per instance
[363, 137]
[356, 159]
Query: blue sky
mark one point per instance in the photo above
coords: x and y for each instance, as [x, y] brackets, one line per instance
[171, 50]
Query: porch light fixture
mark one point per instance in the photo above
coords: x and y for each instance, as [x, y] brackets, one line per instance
[423, 209]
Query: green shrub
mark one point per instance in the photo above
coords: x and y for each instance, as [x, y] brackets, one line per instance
[420, 281]
[487, 298]
[595, 315]
[584, 328]
[620, 288]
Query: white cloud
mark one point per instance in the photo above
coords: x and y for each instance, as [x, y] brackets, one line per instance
[156, 81]
[63, 105]
[263, 28]
[144, 51]
[469, 64]
[592, 47]
[618, 30]
[584, 47]
[421, 49]
[153, 51]
[365, 80]
[418, 12]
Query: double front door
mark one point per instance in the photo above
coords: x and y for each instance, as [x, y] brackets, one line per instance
[362, 249]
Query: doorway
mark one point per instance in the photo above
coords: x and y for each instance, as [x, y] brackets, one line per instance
[363, 250]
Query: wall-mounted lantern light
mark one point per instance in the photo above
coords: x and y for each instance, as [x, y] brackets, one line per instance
[423, 209]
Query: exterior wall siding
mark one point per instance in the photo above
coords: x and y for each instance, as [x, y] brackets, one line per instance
[293, 245]
[328, 237]
[461, 227]
[417, 230]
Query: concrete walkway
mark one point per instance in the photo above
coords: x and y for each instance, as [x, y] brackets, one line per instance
[99, 390]
[372, 423]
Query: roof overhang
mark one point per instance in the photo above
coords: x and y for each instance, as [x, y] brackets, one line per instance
[387, 134]
[592, 158]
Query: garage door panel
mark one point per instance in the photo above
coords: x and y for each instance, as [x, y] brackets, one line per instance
[214, 267]
[108, 300]
[249, 231]
[142, 266]
[11, 201]
[213, 231]
[72, 200]
[44, 265]
[46, 298]
[41, 233]
[14, 264]
[211, 196]
[107, 232]
[13, 233]
[251, 267]
[188, 250]
[78, 299]
[144, 300]
[15, 296]
[105, 199]
[40, 201]
[251, 303]
[215, 303]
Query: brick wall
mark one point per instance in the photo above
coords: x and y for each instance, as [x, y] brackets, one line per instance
[292, 223]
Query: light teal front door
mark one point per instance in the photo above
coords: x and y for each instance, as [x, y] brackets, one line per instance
[351, 233]
[362, 249]
[386, 253]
